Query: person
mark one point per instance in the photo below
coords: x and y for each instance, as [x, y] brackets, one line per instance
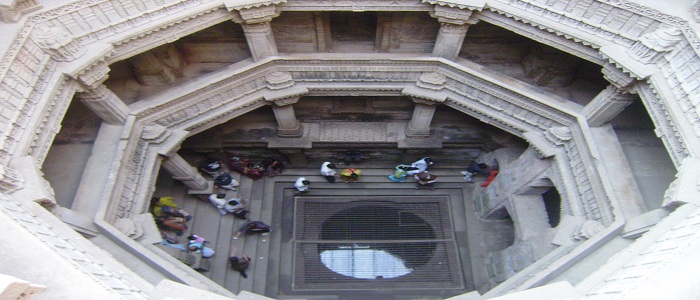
[328, 171]
[302, 185]
[350, 174]
[353, 156]
[198, 247]
[425, 179]
[167, 216]
[225, 181]
[400, 173]
[271, 166]
[211, 166]
[477, 168]
[197, 238]
[253, 227]
[235, 206]
[421, 165]
[239, 264]
[239, 165]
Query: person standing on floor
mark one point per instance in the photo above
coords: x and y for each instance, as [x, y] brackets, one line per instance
[235, 206]
[328, 171]
[302, 185]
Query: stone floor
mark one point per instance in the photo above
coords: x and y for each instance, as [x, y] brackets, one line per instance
[271, 201]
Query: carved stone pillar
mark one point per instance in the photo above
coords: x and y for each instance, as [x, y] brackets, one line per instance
[606, 105]
[652, 46]
[454, 23]
[105, 104]
[611, 101]
[287, 123]
[419, 125]
[183, 171]
[550, 66]
[256, 27]
[426, 94]
[283, 93]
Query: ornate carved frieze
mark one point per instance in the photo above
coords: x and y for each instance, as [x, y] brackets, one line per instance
[57, 42]
[652, 46]
[261, 14]
[11, 11]
[469, 4]
[455, 16]
[356, 5]
[618, 78]
[10, 179]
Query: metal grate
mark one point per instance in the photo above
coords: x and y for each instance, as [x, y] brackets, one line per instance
[362, 243]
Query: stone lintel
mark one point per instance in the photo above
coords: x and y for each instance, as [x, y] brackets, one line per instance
[540, 144]
[170, 146]
[420, 143]
[285, 96]
[420, 93]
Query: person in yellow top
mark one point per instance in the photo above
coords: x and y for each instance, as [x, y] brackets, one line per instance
[350, 174]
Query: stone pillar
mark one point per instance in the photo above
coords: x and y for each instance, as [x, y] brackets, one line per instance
[283, 93]
[611, 101]
[419, 125]
[287, 123]
[426, 94]
[105, 104]
[454, 23]
[183, 171]
[256, 26]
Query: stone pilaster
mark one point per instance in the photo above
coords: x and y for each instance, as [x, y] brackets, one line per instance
[426, 94]
[183, 171]
[283, 93]
[613, 99]
[57, 42]
[419, 125]
[105, 104]
[256, 26]
[454, 23]
[652, 46]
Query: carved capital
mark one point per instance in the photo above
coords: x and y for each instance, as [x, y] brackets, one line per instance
[558, 135]
[57, 42]
[452, 15]
[94, 76]
[618, 78]
[279, 80]
[259, 14]
[432, 81]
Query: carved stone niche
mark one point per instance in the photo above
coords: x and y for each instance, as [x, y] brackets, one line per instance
[12, 10]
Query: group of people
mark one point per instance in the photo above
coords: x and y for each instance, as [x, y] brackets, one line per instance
[222, 179]
[168, 216]
[419, 171]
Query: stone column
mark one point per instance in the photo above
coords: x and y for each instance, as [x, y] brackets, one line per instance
[612, 100]
[419, 125]
[256, 27]
[427, 93]
[287, 123]
[105, 104]
[283, 93]
[454, 23]
[183, 171]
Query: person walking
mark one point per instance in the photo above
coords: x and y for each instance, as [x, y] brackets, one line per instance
[328, 171]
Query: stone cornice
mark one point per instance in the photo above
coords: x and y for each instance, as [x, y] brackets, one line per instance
[461, 4]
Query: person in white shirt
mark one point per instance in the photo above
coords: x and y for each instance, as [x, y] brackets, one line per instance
[421, 165]
[302, 185]
[235, 206]
[328, 171]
